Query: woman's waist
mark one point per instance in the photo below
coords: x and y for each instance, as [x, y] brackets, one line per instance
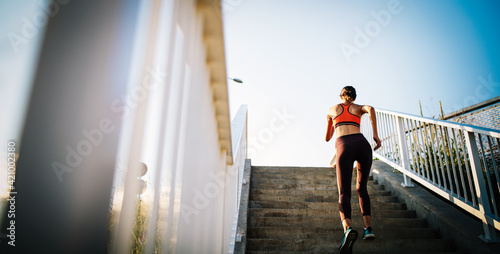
[350, 135]
[346, 130]
[350, 138]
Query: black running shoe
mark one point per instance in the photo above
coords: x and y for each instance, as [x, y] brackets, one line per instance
[350, 237]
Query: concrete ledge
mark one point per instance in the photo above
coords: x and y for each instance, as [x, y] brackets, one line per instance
[240, 247]
[472, 108]
[451, 222]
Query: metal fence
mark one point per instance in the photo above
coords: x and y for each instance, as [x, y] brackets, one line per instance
[457, 161]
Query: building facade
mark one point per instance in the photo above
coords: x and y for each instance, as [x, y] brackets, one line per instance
[485, 114]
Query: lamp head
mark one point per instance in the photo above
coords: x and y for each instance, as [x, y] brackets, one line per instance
[237, 80]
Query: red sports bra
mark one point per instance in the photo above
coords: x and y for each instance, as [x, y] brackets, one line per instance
[346, 117]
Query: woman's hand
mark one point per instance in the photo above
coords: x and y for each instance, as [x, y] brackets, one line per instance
[378, 143]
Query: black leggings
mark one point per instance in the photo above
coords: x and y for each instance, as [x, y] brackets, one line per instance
[352, 148]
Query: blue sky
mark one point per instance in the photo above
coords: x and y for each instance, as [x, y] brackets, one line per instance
[290, 56]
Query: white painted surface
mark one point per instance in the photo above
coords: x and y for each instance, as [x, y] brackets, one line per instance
[195, 158]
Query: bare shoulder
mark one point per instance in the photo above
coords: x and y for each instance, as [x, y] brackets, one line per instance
[358, 109]
[357, 106]
[366, 108]
[333, 111]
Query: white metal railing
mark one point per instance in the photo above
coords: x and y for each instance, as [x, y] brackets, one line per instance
[457, 161]
[239, 144]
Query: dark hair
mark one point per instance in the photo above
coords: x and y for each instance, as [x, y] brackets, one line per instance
[349, 93]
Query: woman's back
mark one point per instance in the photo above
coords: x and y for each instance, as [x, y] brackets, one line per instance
[351, 117]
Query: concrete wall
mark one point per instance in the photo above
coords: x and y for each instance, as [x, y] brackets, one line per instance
[488, 117]
[441, 215]
[484, 114]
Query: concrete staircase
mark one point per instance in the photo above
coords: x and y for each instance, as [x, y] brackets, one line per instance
[295, 210]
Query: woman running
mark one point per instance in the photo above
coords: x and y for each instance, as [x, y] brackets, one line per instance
[351, 145]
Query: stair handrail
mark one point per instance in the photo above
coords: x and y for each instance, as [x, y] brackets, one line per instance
[457, 161]
[239, 126]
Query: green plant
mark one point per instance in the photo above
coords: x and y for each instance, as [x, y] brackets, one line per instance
[139, 232]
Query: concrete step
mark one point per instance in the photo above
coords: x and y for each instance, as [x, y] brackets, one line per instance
[283, 186]
[334, 212]
[320, 205]
[294, 181]
[334, 222]
[295, 210]
[332, 181]
[331, 234]
[394, 245]
[292, 170]
[295, 176]
[331, 198]
[285, 192]
[357, 252]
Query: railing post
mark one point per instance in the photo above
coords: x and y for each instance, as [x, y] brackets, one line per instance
[403, 151]
[477, 174]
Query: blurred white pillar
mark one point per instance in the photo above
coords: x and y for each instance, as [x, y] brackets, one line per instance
[69, 142]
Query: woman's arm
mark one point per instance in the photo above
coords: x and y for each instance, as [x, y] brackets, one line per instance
[329, 129]
[373, 119]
